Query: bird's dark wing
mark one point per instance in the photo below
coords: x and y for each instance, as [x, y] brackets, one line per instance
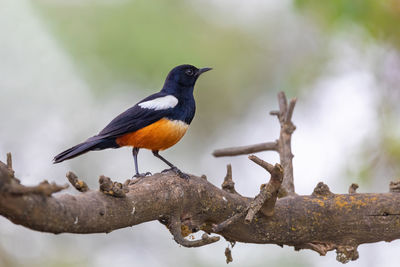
[134, 119]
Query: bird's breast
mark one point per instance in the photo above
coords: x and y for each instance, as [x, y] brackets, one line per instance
[159, 135]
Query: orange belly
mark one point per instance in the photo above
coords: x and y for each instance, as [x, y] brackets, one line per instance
[157, 136]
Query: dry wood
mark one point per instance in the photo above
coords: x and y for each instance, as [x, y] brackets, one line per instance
[321, 222]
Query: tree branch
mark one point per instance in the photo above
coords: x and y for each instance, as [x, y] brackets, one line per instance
[264, 201]
[321, 222]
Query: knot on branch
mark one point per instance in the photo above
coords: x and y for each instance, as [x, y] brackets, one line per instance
[264, 201]
[7, 173]
[289, 127]
[320, 247]
[111, 188]
[346, 253]
[175, 227]
[322, 190]
[353, 188]
[79, 185]
[190, 225]
[228, 184]
[394, 186]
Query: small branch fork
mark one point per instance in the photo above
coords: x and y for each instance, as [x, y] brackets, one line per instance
[282, 145]
[13, 186]
[281, 182]
[264, 202]
[266, 199]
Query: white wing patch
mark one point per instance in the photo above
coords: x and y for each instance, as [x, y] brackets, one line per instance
[165, 102]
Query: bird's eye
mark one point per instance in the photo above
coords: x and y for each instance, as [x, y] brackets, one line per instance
[189, 72]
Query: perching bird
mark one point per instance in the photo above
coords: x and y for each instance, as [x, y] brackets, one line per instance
[157, 122]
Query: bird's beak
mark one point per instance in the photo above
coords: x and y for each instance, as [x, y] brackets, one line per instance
[202, 70]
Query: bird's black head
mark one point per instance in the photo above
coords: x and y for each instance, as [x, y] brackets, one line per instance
[182, 78]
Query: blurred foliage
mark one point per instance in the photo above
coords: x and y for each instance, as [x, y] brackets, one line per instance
[380, 18]
[122, 45]
[139, 42]
[378, 159]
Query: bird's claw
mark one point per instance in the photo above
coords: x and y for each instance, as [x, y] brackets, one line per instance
[141, 175]
[167, 170]
[178, 172]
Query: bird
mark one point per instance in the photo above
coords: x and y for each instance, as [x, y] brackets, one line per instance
[156, 123]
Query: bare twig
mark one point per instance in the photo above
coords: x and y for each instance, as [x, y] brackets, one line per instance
[282, 105]
[9, 161]
[9, 164]
[79, 185]
[268, 167]
[284, 142]
[9, 184]
[245, 150]
[282, 145]
[289, 113]
[266, 199]
[231, 220]
[44, 188]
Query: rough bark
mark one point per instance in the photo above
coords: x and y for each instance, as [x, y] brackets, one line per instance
[322, 221]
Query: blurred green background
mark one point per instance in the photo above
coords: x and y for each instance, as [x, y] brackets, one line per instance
[68, 67]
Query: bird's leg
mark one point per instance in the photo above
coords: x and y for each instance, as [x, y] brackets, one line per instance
[135, 152]
[173, 167]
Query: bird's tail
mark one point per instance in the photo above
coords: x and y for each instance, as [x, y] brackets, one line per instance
[88, 145]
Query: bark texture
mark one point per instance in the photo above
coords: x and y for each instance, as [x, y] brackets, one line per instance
[322, 221]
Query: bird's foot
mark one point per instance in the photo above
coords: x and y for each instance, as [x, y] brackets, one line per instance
[178, 172]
